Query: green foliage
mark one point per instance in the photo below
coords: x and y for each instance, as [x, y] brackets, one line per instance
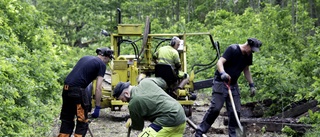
[287, 130]
[215, 18]
[312, 118]
[77, 20]
[315, 132]
[29, 70]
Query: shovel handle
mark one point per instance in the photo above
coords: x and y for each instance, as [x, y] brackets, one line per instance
[194, 126]
[234, 107]
[129, 131]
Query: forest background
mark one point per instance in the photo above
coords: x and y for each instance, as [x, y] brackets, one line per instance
[41, 40]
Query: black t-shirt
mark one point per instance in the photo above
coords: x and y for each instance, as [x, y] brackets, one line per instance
[85, 71]
[235, 64]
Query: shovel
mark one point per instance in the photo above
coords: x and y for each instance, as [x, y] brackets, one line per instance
[234, 109]
[194, 126]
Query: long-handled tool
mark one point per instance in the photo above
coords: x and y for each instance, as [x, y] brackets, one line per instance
[194, 126]
[129, 131]
[89, 121]
[234, 107]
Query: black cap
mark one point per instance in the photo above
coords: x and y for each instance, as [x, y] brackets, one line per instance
[105, 52]
[119, 88]
[255, 44]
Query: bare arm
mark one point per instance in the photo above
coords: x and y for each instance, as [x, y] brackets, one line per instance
[98, 90]
[220, 63]
[247, 74]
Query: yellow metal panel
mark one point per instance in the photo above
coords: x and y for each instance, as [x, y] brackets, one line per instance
[120, 64]
[182, 93]
[115, 79]
[186, 102]
[118, 102]
[105, 102]
[130, 28]
[134, 72]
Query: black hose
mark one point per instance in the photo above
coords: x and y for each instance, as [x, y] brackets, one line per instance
[135, 47]
[162, 40]
[210, 64]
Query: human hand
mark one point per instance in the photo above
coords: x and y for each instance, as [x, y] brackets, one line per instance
[128, 123]
[96, 112]
[225, 76]
[252, 90]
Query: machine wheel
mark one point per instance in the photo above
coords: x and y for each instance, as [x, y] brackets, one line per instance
[187, 110]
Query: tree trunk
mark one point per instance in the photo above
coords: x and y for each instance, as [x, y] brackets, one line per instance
[188, 11]
[293, 12]
[78, 42]
[177, 10]
[313, 12]
[173, 12]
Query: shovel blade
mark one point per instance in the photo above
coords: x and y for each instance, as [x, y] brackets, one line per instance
[240, 133]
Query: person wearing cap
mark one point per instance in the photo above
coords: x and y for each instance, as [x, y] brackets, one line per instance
[169, 55]
[75, 101]
[148, 101]
[236, 59]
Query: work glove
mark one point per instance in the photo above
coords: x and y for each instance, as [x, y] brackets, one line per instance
[96, 112]
[128, 123]
[225, 76]
[252, 90]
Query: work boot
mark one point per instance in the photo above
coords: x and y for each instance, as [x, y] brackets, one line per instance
[198, 133]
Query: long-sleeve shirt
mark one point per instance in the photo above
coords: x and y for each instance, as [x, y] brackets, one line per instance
[150, 102]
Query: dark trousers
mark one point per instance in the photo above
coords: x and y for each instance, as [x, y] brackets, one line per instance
[219, 96]
[75, 103]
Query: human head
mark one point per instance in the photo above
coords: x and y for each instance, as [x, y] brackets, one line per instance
[175, 41]
[105, 54]
[255, 44]
[121, 91]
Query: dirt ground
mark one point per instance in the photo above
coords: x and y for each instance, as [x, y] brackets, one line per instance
[112, 123]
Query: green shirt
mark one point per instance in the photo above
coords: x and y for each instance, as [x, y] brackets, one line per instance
[168, 55]
[150, 102]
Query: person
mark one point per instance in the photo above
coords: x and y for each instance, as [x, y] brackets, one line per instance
[148, 101]
[236, 59]
[169, 55]
[75, 101]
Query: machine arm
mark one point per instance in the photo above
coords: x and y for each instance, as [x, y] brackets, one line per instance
[202, 84]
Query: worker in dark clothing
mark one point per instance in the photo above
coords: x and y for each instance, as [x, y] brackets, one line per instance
[75, 101]
[236, 59]
[148, 101]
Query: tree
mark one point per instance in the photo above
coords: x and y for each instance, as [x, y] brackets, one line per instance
[79, 22]
[29, 71]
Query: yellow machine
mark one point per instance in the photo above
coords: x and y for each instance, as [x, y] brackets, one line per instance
[130, 62]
